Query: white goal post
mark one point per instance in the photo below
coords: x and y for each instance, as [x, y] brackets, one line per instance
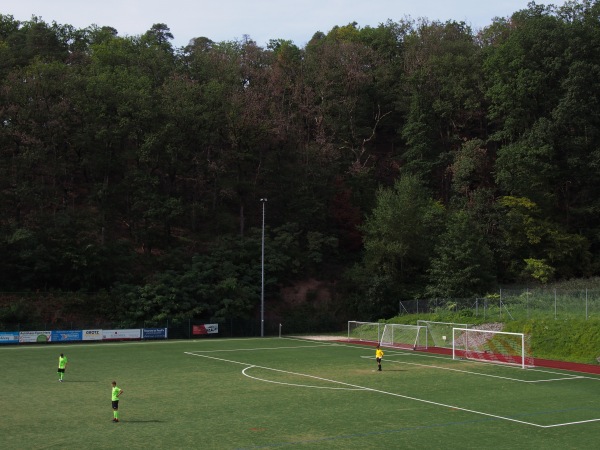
[404, 336]
[492, 346]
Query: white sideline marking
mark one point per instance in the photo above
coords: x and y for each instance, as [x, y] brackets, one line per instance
[356, 387]
[557, 379]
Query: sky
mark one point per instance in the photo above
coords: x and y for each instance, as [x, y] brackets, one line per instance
[260, 20]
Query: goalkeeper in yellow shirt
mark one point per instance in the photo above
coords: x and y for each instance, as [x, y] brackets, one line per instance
[378, 357]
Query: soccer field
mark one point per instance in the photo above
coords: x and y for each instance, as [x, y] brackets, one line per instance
[286, 392]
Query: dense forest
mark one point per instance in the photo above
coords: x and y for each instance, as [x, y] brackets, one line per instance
[415, 159]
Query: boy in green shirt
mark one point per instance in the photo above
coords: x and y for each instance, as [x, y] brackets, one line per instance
[62, 365]
[116, 391]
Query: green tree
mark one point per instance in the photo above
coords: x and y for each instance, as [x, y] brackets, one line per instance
[463, 264]
[399, 237]
[443, 98]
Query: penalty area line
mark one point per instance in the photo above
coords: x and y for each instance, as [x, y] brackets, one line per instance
[456, 408]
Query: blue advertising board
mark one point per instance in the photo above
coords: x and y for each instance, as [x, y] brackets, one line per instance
[9, 337]
[154, 333]
[67, 335]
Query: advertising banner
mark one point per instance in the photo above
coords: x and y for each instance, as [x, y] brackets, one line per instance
[66, 335]
[207, 328]
[39, 337]
[154, 333]
[92, 335]
[9, 337]
[121, 335]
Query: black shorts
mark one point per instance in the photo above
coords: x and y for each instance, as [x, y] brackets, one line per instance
[61, 370]
[115, 404]
[378, 360]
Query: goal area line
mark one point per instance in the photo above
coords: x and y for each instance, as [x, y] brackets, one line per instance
[566, 377]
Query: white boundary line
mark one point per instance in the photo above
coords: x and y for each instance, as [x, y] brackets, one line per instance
[357, 387]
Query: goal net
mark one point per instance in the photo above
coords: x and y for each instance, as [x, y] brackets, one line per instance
[492, 346]
[364, 331]
[440, 333]
[404, 336]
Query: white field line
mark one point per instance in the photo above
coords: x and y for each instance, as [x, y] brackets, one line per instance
[387, 393]
[292, 384]
[258, 348]
[570, 423]
[558, 379]
[475, 373]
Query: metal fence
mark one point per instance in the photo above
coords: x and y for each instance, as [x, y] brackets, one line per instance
[514, 304]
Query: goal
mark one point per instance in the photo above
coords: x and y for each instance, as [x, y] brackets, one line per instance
[365, 331]
[492, 346]
[440, 333]
[404, 336]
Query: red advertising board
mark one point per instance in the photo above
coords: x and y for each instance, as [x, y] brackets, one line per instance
[207, 328]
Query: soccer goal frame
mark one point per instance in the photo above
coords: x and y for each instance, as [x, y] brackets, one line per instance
[411, 337]
[440, 333]
[500, 347]
[365, 331]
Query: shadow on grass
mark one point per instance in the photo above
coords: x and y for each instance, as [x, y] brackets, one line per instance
[81, 381]
[142, 421]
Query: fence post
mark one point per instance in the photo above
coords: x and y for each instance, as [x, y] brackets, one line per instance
[500, 305]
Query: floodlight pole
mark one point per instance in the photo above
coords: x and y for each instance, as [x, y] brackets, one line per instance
[262, 273]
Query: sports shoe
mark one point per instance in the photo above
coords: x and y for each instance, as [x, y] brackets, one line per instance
[60, 381]
[115, 420]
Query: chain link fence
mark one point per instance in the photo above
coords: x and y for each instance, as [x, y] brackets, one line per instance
[514, 304]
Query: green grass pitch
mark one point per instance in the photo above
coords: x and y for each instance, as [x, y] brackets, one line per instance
[288, 393]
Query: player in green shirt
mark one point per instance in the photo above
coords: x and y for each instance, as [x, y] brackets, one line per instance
[62, 365]
[116, 391]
